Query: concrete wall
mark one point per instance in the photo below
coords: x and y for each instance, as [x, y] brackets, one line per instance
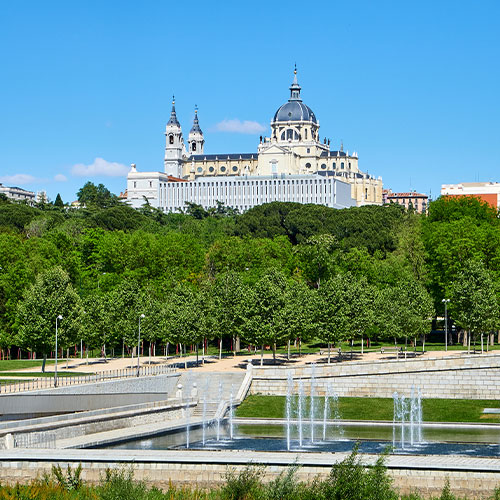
[474, 377]
[477, 484]
[108, 394]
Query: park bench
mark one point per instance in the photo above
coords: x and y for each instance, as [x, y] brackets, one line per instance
[391, 349]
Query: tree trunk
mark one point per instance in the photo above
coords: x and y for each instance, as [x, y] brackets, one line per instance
[185, 357]
[465, 335]
[220, 348]
[43, 362]
[362, 345]
[197, 363]
[262, 355]
[468, 342]
[352, 344]
[274, 352]
[300, 345]
[482, 352]
[423, 343]
[329, 351]
[288, 352]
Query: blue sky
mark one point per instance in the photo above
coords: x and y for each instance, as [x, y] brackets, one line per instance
[413, 87]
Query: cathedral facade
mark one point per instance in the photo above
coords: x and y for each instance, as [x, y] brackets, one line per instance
[293, 164]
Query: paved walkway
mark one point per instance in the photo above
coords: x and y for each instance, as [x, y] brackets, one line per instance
[230, 457]
[230, 363]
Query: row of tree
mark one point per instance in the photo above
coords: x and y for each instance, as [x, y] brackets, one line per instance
[279, 272]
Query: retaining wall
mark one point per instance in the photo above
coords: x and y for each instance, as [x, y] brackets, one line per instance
[83, 397]
[457, 377]
[474, 484]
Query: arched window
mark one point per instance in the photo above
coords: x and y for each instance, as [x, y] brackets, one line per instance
[323, 166]
[305, 134]
[308, 165]
[283, 136]
[223, 169]
[200, 169]
[342, 165]
[193, 146]
[235, 168]
[334, 165]
[170, 139]
[295, 136]
[289, 134]
[211, 169]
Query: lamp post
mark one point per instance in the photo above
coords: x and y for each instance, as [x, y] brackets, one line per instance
[139, 345]
[55, 370]
[445, 302]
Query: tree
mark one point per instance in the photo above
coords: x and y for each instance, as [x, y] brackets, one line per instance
[473, 303]
[316, 257]
[98, 196]
[227, 295]
[264, 323]
[58, 201]
[50, 296]
[404, 310]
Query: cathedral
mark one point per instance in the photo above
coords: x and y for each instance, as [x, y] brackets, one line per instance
[293, 164]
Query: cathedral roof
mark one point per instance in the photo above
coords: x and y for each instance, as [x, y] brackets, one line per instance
[294, 110]
[223, 157]
[196, 124]
[173, 115]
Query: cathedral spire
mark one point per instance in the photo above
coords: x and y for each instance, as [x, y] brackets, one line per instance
[295, 87]
[173, 115]
[196, 123]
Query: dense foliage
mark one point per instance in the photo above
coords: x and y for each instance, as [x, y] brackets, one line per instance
[278, 272]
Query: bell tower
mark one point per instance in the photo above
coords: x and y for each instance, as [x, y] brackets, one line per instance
[174, 149]
[195, 139]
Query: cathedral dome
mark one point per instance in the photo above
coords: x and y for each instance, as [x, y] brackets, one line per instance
[294, 110]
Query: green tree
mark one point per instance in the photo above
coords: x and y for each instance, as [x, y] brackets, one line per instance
[58, 201]
[473, 302]
[97, 196]
[51, 295]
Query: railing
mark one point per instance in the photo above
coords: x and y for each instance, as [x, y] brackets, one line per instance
[38, 383]
[35, 440]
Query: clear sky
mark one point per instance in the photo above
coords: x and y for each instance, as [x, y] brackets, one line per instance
[86, 87]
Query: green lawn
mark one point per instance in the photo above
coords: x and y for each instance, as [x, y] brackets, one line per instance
[40, 374]
[19, 364]
[434, 410]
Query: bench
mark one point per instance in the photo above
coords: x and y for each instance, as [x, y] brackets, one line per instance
[391, 349]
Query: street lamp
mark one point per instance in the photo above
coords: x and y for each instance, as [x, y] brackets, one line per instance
[445, 302]
[139, 344]
[55, 370]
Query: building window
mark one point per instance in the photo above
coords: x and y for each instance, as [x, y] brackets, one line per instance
[235, 168]
[135, 184]
[171, 139]
[289, 134]
[193, 146]
[211, 169]
[334, 165]
[305, 134]
[223, 169]
[342, 165]
[308, 150]
[199, 169]
[323, 166]
[283, 136]
[349, 164]
[150, 184]
[308, 165]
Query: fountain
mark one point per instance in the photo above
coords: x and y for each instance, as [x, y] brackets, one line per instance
[204, 418]
[231, 413]
[289, 408]
[326, 408]
[218, 412]
[407, 413]
[300, 406]
[311, 399]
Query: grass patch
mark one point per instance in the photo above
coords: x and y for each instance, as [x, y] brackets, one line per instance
[434, 410]
[7, 381]
[40, 374]
[20, 364]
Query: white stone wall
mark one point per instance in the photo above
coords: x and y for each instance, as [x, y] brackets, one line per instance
[474, 377]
